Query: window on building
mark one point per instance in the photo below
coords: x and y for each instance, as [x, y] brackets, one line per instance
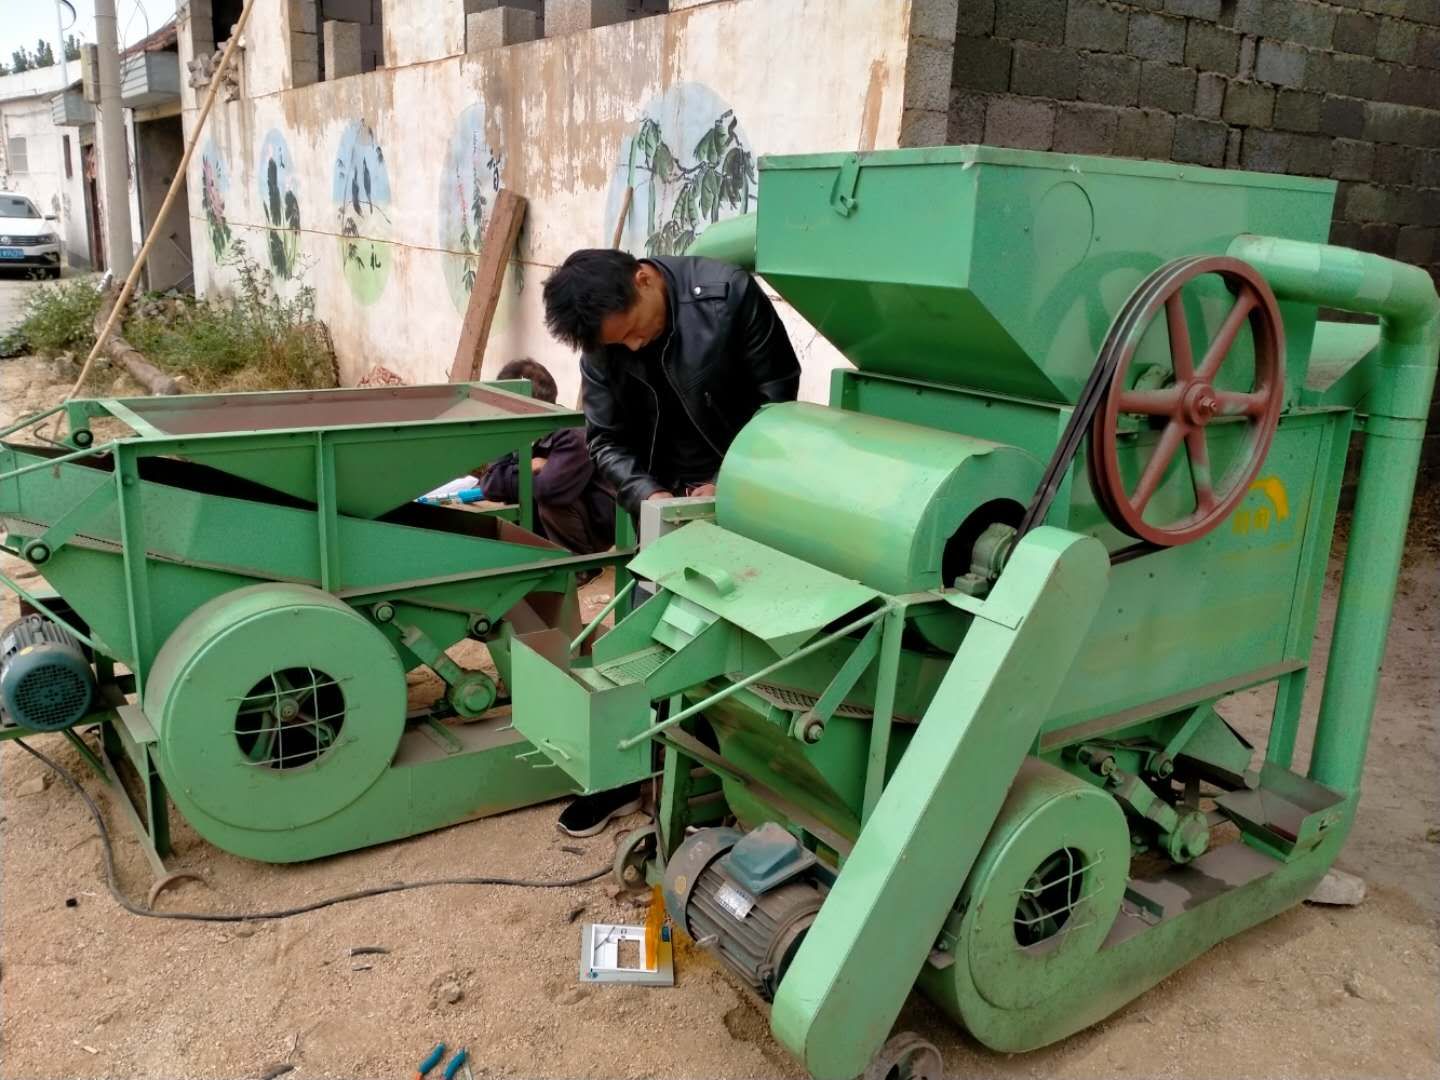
[69, 169]
[224, 15]
[16, 157]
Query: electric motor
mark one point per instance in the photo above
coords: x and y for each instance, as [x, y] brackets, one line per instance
[46, 683]
[749, 897]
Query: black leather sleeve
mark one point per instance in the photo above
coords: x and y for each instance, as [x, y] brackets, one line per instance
[614, 445]
[773, 364]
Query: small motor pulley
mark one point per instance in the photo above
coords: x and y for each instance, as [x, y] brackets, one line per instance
[46, 682]
[750, 897]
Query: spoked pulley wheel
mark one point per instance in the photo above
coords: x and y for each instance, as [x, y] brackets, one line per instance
[906, 1056]
[1193, 404]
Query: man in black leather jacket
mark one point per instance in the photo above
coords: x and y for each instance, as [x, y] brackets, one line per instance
[678, 354]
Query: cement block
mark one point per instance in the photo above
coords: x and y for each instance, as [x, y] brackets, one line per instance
[975, 17]
[1396, 40]
[1020, 122]
[356, 11]
[929, 67]
[1297, 111]
[934, 18]
[981, 63]
[1249, 104]
[1427, 173]
[499, 26]
[1032, 20]
[1355, 76]
[1427, 49]
[1395, 165]
[1418, 245]
[1085, 129]
[1164, 86]
[1156, 37]
[304, 72]
[1144, 133]
[923, 127]
[304, 17]
[1389, 123]
[1249, 46]
[474, 6]
[1269, 18]
[1199, 142]
[1280, 63]
[342, 49]
[1309, 155]
[1265, 151]
[1417, 206]
[1232, 147]
[1209, 95]
[304, 48]
[1045, 71]
[1378, 238]
[1091, 24]
[1212, 48]
[966, 121]
[1112, 80]
[1356, 32]
[570, 16]
[1194, 9]
[1312, 24]
[1351, 159]
[1342, 116]
[1364, 202]
[1411, 86]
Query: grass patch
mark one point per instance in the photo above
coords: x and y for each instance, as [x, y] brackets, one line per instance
[57, 318]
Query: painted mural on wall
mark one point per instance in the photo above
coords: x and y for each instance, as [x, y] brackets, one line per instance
[214, 186]
[690, 165]
[361, 192]
[468, 183]
[280, 203]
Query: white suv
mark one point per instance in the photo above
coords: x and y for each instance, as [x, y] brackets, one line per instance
[27, 241]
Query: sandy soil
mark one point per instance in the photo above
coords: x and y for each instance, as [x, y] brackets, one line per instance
[88, 990]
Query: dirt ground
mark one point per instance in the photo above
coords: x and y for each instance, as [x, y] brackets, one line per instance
[90, 991]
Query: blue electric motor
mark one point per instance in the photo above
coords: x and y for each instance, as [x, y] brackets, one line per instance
[46, 683]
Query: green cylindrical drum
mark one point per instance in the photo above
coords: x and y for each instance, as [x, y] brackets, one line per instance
[893, 505]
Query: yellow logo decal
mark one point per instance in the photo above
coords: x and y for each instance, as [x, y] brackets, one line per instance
[1276, 507]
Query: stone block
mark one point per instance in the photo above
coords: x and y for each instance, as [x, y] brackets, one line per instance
[966, 120]
[1395, 165]
[1417, 206]
[1309, 155]
[975, 17]
[1113, 80]
[1354, 76]
[1033, 20]
[1312, 24]
[1144, 133]
[305, 72]
[1248, 48]
[934, 18]
[1364, 202]
[1405, 124]
[1209, 95]
[498, 27]
[1265, 151]
[1338, 887]
[1199, 142]
[1378, 238]
[1212, 48]
[1249, 104]
[1427, 49]
[1280, 63]
[1344, 234]
[1351, 159]
[343, 53]
[1267, 18]
[1164, 86]
[1156, 37]
[1418, 245]
[1195, 9]
[1020, 122]
[305, 17]
[474, 6]
[922, 127]
[572, 16]
[1297, 111]
[1427, 172]
[1232, 147]
[1342, 116]
[1396, 40]
[1411, 86]
[981, 63]
[929, 68]
[1085, 129]
[1428, 12]
[1044, 71]
[304, 48]
[1090, 24]
[1355, 32]
[355, 11]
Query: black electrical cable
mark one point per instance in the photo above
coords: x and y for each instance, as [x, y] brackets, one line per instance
[284, 913]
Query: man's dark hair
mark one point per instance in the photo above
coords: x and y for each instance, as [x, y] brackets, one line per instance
[542, 384]
[587, 287]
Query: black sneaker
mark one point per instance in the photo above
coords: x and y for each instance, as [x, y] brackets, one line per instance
[589, 814]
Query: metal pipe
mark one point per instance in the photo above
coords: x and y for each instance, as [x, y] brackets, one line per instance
[1405, 300]
[615, 601]
[769, 669]
[732, 240]
[30, 421]
[20, 591]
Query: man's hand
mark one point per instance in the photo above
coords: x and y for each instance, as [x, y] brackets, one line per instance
[702, 491]
[654, 495]
[537, 463]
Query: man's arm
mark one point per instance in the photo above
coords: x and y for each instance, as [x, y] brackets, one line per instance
[611, 440]
[773, 366]
[501, 481]
[566, 467]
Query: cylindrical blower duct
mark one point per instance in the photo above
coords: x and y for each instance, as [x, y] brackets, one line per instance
[879, 501]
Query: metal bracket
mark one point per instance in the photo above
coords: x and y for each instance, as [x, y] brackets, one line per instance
[809, 725]
[843, 201]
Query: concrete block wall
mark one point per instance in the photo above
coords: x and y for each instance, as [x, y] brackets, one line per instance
[1349, 91]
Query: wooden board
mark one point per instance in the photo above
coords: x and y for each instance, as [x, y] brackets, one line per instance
[500, 235]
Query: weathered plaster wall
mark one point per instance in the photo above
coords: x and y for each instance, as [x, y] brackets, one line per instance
[380, 180]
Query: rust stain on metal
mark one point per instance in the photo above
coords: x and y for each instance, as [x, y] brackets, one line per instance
[874, 98]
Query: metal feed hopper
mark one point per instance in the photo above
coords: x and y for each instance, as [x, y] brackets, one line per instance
[937, 680]
[256, 564]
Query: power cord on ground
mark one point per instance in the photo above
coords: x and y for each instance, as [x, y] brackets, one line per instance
[284, 913]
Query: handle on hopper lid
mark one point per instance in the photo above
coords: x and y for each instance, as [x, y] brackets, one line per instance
[713, 576]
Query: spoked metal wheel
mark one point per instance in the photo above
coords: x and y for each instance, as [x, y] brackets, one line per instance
[290, 718]
[906, 1056]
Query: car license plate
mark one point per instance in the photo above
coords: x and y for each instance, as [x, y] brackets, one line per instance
[11, 253]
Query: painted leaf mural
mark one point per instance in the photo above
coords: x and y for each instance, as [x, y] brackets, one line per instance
[469, 180]
[361, 193]
[280, 202]
[214, 186]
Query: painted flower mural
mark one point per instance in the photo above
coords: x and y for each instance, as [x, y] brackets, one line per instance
[361, 192]
[468, 183]
[690, 165]
[214, 184]
[281, 206]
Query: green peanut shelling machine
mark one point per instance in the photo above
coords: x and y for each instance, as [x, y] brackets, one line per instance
[256, 565]
[936, 676]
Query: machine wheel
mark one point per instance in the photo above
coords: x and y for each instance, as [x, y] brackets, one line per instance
[906, 1056]
[276, 706]
[1186, 407]
[636, 848]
